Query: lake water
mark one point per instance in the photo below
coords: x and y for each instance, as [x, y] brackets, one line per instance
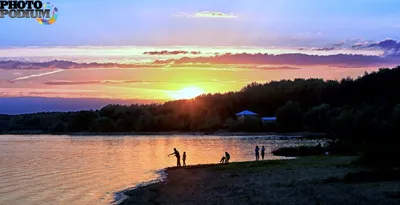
[61, 170]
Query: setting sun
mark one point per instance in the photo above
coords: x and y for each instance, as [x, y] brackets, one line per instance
[186, 93]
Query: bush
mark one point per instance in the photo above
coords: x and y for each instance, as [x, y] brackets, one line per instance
[299, 151]
[344, 147]
[380, 154]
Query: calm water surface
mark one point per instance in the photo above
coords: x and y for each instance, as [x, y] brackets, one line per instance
[61, 170]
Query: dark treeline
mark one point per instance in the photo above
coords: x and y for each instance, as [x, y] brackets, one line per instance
[338, 107]
[366, 109]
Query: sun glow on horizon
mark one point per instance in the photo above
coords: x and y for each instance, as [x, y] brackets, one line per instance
[186, 93]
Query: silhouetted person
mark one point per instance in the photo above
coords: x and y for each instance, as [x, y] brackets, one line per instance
[178, 157]
[262, 152]
[227, 157]
[257, 153]
[184, 158]
[222, 160]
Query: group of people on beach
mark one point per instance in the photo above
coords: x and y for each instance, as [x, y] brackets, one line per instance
[225, 159]
[257, 150]
[178, 157]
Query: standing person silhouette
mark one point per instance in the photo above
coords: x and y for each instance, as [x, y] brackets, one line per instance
[178, 157]
[262, 152]
[184, 158]
[257, 153]
[227, 157]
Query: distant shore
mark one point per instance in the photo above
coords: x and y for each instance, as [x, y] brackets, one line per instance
[308, 180]
[218, 133]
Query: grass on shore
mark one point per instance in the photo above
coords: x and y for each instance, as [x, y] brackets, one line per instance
[300, 151]
[308, 180]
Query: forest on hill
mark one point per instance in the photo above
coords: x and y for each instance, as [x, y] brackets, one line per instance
[366, 107]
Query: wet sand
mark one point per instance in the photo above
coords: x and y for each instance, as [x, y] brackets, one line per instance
[299, 181]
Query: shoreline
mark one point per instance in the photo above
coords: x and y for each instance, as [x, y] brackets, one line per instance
[121, 196]
[305, 180]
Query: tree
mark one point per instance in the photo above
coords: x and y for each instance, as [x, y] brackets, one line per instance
[58, 127]
[144, 122]
[103, 124]
[289, 117]
[395, 123]
[317, 119]
[231, 125]
[212, 122]
[81, 121]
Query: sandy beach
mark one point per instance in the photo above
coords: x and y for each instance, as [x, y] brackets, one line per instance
[307, 180]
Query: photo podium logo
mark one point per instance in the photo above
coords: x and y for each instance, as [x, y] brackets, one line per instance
[44, 13]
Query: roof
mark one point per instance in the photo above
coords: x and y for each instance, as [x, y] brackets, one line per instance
[268, 118]
[246, 112]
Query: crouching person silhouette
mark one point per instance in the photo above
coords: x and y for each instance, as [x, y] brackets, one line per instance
[227, 157]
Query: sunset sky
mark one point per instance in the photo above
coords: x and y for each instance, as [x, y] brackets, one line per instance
[173, 49]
